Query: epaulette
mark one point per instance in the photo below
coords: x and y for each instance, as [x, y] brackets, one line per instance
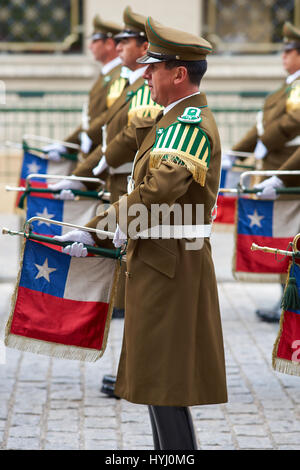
[115, 90]
[142, 105]
[293, 101]
[184, 143]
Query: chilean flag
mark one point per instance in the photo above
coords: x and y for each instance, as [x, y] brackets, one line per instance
[62, 305]
[77, 212]
[286, 351]
[266, 223]
[226, 203]
[34, 164]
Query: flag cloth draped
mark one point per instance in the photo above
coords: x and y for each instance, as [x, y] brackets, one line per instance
[226, 202]
[266, 223]
[286, 350]
[77, 212]
[34, 164]
[62, 305]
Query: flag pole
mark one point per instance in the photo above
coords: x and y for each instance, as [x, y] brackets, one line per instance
[265, 173]
[243, 189]
[49, 140]
[107, 252]
[236, 153]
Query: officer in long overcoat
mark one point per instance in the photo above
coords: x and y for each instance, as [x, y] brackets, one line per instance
[172, 354]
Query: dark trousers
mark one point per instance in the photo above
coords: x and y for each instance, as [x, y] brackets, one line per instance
[172, 428]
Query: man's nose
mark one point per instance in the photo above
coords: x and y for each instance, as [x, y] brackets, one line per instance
[147, 74]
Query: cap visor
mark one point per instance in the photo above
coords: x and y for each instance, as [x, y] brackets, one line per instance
[145, 59]
[126, 34]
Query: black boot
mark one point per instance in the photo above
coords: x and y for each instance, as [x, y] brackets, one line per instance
[118, 313]
[108, 386]
[271, 315]
[174, 426]
[154, 429]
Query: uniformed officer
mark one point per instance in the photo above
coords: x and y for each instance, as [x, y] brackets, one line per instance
[103, 47]
[268, 186]
[172, 354]
[134, 107]
[116, 148]
[276, 136]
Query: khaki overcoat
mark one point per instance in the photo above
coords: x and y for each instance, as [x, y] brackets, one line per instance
[172, 352]
[280, 125]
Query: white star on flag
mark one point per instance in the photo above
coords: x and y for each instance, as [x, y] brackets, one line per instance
[255, 218]
[33, 167]
[44, 270]
[46, 215]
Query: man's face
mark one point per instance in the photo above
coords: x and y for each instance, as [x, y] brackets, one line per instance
[98, 49]
[129, 51]
[291, 61]
[160, 81]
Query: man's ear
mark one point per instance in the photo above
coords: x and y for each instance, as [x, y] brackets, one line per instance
[144, 47]
[180, 75]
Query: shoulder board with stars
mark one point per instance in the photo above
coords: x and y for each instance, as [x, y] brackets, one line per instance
[185, 144]
[142, 105]
[293, 101]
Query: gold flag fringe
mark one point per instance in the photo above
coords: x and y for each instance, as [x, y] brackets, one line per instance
[52, 349]
[194, 166]
[60, 351]
[256, 277]
[279, 364]
[286, 367]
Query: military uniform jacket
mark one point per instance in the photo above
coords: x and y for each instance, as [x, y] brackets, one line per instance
[280, 125]
[121, 120]
[97, 101]
[172, 352]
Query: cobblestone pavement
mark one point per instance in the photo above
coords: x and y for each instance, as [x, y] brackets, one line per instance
[56, 404]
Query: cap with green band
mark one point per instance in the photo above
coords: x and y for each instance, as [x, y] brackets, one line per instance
[104, 29]
[134, 25]
[291, 37]
[172, 44]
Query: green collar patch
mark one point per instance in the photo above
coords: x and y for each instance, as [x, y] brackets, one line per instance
[191, 115]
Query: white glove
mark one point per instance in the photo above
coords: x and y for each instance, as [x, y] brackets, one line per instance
[85, 142]
[65, 195]
[76, 249]
[227, 161]
[67, 184]
[260, 150]
[268, 187]
[119, 237]
[102, 165]
[54, 151]
[80, 237]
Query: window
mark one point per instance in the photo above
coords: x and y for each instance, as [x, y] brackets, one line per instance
[40, 26]
[243, 26]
